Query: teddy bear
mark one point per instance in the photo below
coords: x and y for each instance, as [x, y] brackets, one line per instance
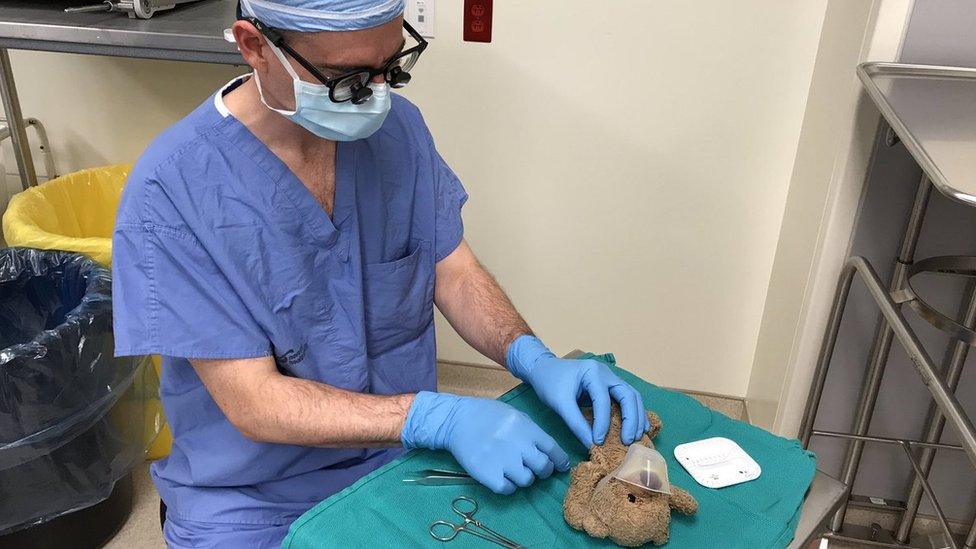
[627, 515]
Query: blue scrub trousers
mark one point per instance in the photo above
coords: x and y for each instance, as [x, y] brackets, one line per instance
[181, 534]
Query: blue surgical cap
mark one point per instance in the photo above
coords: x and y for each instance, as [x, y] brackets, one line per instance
[322, 15]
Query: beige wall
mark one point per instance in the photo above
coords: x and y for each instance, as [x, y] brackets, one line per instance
[628, 166]
[835, 144]
[834, 91]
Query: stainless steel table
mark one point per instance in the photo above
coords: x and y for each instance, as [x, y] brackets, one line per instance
[191, 32]
[933, 111]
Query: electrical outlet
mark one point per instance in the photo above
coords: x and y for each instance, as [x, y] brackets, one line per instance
[477, 21]
[420, 14]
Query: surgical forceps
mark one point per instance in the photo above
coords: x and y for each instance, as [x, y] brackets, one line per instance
[467, 507]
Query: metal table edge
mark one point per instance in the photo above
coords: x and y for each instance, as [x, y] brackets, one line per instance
[820, 503]
[194, 34]
[866, 71]
[128, 52]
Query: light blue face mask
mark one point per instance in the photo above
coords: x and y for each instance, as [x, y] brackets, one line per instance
[317, 113]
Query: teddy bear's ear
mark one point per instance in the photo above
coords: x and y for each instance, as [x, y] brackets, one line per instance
[655, 424]
[588, 414]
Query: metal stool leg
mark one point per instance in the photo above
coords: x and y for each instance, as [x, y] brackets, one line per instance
[945, 399]
[11, 105]
[826, 352]
[936, 424]
[881, 348]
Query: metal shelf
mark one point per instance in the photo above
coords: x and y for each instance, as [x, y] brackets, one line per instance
[191, 32]
[933, 112]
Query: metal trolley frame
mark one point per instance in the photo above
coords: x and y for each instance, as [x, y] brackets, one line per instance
[897, 90]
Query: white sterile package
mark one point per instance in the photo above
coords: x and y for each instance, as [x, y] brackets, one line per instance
[717, 462]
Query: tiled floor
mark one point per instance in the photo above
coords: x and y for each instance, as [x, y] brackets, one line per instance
[142, 528]
[141, 531]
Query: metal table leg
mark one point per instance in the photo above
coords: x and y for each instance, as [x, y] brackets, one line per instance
[837, 312]
[823, 361]
[936, 424]
[881, 347]
[947, 402]
[11, 106]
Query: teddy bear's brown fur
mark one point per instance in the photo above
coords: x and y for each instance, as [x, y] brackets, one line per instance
[628, 516]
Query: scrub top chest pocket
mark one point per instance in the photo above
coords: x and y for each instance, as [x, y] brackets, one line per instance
[399, 298]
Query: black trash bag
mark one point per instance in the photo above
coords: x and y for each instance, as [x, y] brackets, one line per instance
[71, 414]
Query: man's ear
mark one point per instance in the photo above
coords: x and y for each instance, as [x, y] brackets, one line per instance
[252, 44]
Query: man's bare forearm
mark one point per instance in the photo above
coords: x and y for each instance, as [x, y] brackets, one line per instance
[313, 414]
[476, 306]
[266, 406]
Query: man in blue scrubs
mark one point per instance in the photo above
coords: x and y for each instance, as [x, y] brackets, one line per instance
[283, 247]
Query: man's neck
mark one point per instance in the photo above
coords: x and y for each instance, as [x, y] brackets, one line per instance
[275, 130]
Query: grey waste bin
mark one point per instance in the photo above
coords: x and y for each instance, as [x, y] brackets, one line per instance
[72, 416]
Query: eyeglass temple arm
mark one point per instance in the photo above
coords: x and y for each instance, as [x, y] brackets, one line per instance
[413, 32]
[303, 62]
[276, 38]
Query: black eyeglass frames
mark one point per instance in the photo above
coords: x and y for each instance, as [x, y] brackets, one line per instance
[354, 85]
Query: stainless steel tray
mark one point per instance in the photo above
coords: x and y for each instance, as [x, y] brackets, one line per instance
[933, 111]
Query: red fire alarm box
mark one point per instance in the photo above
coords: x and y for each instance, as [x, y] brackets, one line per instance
[477, 20]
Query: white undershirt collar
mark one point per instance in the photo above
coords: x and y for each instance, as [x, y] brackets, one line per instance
[219, 96]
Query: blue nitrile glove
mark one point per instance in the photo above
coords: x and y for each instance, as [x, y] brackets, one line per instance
[496, 444]
[560, 383]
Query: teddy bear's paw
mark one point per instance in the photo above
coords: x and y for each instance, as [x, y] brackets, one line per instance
[595, 527]
[683, 502]
[660, 539]
[632, 541]
[576, 506]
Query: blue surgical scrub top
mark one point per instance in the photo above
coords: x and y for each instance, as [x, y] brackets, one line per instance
[220, 251]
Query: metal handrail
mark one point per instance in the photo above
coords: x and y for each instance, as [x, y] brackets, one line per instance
[50, 168]
[944, 398]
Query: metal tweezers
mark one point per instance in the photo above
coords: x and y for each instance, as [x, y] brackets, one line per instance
[439, 477]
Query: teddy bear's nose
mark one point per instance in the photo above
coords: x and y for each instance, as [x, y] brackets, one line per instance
[632, 498]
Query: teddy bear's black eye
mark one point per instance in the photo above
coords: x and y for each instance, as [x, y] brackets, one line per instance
[632, 498]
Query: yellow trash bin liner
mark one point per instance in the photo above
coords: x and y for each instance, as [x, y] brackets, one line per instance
[76, 213]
